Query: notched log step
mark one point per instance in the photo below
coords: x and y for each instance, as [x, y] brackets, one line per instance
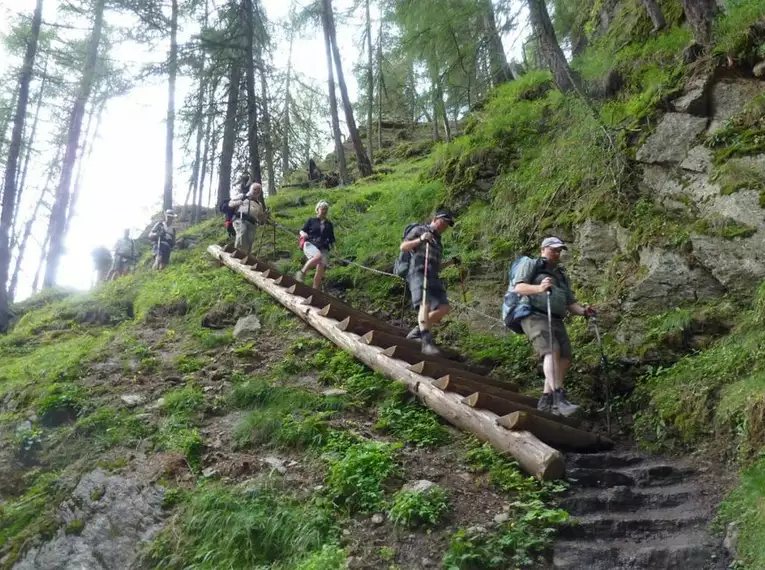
[555, 433]
[441, 367]
[484, 401]
[465, 387]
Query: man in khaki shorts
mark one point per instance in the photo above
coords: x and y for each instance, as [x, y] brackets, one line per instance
[535, 279]
[248, 213]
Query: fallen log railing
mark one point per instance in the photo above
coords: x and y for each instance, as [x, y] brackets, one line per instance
[440, 384]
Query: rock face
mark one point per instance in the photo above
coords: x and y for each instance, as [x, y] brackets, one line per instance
[108, 519]
[737, 264]
[674, 137]
[729, 97]
[695, 97]
[595, 246]
[247, 326]
[670, 281]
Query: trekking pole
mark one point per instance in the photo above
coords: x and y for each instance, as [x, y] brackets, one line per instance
[462, 285]
[550, 332]
[604, 371]
[422, 317]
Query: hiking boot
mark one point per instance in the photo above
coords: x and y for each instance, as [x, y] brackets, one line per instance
[299, 275]
[545, 403]
[561, 405]
[428, 345]
[414, 334]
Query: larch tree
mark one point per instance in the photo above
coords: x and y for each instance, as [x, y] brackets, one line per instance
[362, 160]
[550, 50]
[172, 67]
[335, 120]
[57, 222]
[11, 164]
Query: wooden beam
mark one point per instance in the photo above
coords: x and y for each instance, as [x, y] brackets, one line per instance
[386, 340]
[340, 312]
[415, 355]
[534, 456]
[229, 248]
[300, 290]
[355, 326]
[465, 387]
[556, 433]
[437, 369]
[484, 401]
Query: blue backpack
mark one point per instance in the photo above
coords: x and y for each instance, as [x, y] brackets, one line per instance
[401, 266]
[513, 310]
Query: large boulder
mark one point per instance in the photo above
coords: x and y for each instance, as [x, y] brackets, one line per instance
[695, 97]
[730, 96]
[738, 264]
[670, 281]
[699, 159]
[595, 247]
[107, 521]
[247, 326]
[673, 138]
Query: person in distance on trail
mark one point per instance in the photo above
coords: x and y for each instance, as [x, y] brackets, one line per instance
[124, 256]
[316, 238]
[248, 212]
[415, 240]
[534, 279]
[102, 261]
[163, 239]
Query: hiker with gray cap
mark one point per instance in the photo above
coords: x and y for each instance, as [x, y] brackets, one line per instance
[316, 237]
[543, 285]
[163, 240]
[420, 262]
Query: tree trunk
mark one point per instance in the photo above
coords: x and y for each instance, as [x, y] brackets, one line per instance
[379, 87]
[370, 83]
[654, 12]
[22, 251]
[30, 145]
[56, 231]
[700, 15]
[286, 124]
[339, 150]
[362, 160]
[552, 54]
[167, 196]
[9, 192]
[252, 105]
[500, 69]
[41, 264]
[8, 116]
[88, 142]
[194, 183]
[206, 153]
[267, 146]
[229, 134]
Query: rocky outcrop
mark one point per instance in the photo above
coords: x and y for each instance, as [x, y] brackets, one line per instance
[104, 525]
[738, 264]
[670, 281]
[673, 138]
[695, 97]
[729, 98]
[595, 246]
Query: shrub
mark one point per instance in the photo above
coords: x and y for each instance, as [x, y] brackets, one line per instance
[412, 508]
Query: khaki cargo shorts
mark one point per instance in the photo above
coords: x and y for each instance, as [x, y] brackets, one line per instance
[536, 329]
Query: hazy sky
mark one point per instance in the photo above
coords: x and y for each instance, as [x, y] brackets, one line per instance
[123, 180]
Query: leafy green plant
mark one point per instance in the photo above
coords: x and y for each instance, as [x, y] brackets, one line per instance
[517, 544]
[108, 427]
[412, 508]
[356, 479]
[412, 423]
[186, 364]
[330, 557]
[185, 401]
[175, 434]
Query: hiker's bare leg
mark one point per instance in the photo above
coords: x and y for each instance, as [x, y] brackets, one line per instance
[551, 362]
[319, 275]
[311, 263]
[434, 317]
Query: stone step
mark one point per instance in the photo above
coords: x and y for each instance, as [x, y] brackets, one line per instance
[682, 551]
[643, 475]
[634, 525]
[602, 460]
[625, 498]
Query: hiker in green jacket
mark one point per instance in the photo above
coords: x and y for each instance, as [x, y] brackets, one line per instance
[547, 290]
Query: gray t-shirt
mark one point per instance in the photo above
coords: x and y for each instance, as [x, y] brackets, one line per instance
[562, 296]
